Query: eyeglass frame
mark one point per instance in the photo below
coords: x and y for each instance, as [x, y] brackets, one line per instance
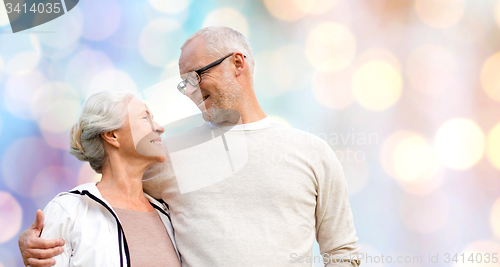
[199, 72]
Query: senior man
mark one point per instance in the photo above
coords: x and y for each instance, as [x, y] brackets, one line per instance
[267, 212]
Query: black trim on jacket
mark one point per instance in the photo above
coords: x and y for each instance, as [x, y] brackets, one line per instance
[120, 228]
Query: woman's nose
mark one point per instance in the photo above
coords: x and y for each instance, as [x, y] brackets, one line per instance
[158, 128]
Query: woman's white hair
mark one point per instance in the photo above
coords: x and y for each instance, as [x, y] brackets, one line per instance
[102, 112]
[221, 41]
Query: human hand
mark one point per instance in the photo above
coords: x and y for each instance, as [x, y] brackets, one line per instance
[37, 251]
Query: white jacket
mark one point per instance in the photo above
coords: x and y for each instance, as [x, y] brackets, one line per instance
[91, 229]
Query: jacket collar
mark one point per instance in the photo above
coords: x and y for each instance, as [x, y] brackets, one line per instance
[92, 189]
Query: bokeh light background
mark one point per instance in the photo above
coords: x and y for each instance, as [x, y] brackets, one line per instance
[407, 93]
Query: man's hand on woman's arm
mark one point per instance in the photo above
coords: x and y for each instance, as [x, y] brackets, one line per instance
[37, 251]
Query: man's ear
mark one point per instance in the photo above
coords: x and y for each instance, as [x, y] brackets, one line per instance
[111, 138]
[239, 63]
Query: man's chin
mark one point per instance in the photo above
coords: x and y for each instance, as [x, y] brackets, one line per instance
[221, 116]
[206, 116]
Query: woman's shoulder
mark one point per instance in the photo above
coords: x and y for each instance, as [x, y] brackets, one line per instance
[73, 200]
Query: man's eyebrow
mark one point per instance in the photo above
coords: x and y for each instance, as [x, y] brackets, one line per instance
[191, 69]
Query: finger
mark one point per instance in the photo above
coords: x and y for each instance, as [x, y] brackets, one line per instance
[40, 263]
[41, 243]
[44, 253]
[40, 217]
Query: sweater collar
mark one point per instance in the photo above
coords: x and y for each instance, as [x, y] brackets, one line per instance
[257, 125]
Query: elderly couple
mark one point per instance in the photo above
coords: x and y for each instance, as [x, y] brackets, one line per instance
[265, 213]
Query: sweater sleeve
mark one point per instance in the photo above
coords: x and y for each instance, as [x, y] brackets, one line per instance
[335, 230]
[58, 224]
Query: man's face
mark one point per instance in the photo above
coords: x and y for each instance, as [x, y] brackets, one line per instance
[218, 95]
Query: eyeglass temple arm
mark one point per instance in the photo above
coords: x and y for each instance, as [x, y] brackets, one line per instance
[214, 64]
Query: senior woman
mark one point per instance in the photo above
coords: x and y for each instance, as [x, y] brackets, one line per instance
[112, 222]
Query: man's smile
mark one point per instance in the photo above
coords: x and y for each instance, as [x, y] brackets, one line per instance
[204, 97]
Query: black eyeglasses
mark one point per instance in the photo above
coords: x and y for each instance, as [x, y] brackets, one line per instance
[194, 77]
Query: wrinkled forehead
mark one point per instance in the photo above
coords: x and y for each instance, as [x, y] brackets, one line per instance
[193, 56]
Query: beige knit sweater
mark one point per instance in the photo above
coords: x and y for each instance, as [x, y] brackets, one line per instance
[256, 196]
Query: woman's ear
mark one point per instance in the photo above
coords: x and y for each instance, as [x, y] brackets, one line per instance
[111, 138]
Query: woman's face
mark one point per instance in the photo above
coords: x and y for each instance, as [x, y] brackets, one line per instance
[144, 131]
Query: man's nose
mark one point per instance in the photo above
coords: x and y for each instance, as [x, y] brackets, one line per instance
[192, 92]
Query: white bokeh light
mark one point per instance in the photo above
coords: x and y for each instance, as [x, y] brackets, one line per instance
[49, 182]
[357, 174]
[111, 80]
[171, 70]
[12, 217]
[413, 157]
[87, 175]
[19, 92]
[432, 68]
[58, 140]
[377, 85]
[56, 107]
[22, 63]
[170, 6]
[459, 143]
[66, 29]
[101, 22]
[495, 218]
[330, 47]
[440, 13]
[284, 10]
[84, 66]
[1, 68]
[228, 17]
[158, 39]
[333, 90]
[490, 80]
[277, 72]
[4, 18]
[296, 9]
[378, 54]
[22, 160]
[425, 214]
[367, 249]
[35, 42]
[315, 6]
[497, 13]
[408, 158]
[493, 146]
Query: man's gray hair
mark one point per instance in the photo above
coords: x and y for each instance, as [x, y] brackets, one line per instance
[221, 41]
[102, 112]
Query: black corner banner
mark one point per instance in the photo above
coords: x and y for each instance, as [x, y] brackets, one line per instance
[26, 14]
